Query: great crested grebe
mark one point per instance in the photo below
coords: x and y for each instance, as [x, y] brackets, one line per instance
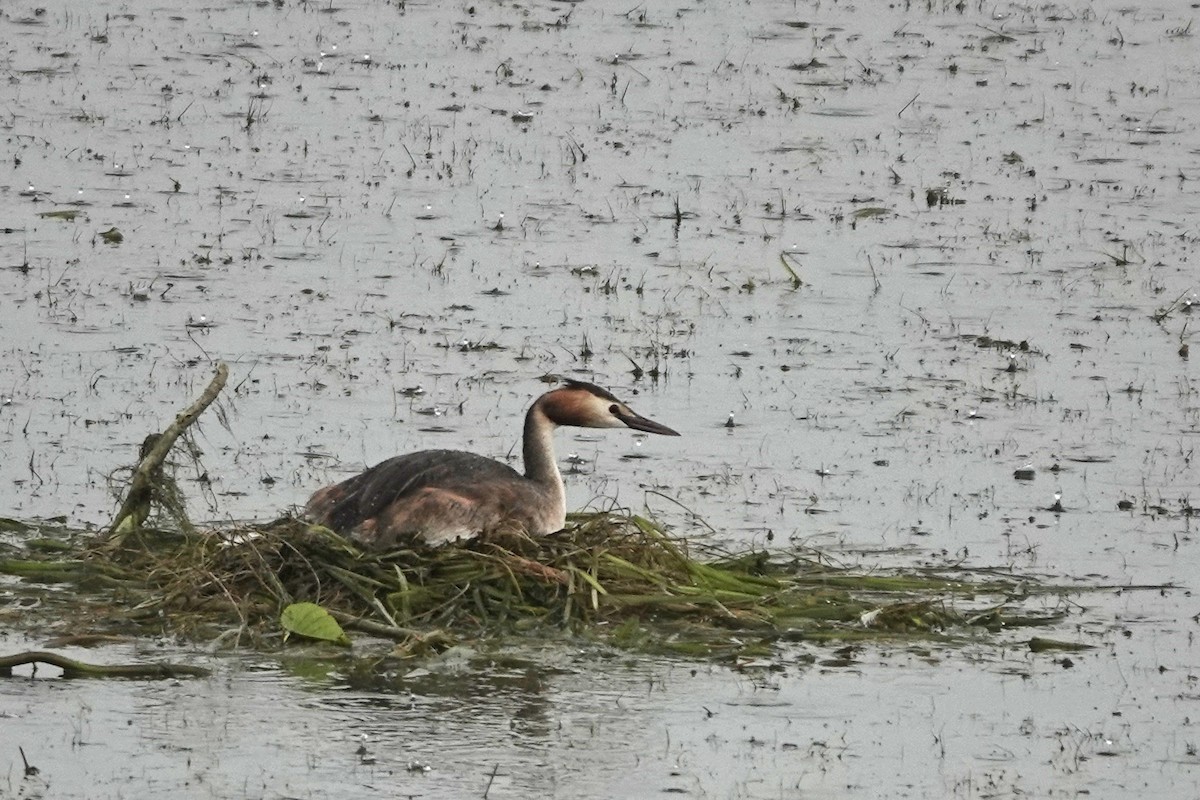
[437, 496]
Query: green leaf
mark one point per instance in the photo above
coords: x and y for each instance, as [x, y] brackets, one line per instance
[313, 622]
[870, 212]
[64, 214]
[1039, 645]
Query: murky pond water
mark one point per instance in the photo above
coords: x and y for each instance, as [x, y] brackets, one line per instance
[895, 723]
[391, 218]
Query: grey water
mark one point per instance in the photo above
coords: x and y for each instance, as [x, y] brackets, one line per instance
[908, 250]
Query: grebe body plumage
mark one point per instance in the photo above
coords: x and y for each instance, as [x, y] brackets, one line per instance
[433, 497]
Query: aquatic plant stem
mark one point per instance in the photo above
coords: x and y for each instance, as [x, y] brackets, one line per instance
[136, 506]
[82, 669]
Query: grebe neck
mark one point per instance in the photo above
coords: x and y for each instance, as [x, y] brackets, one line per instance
[540, 464]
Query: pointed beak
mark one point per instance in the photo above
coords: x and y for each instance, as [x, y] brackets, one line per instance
[640, 423]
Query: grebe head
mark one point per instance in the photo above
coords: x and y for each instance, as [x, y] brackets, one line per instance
[585, 405]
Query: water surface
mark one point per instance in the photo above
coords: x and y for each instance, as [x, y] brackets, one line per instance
[392, 218]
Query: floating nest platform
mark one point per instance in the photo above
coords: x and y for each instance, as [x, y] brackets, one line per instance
[617, 578]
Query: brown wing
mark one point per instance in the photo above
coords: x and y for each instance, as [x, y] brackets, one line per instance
[404, 494]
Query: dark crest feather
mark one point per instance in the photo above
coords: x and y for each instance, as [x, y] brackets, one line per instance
[590, 387]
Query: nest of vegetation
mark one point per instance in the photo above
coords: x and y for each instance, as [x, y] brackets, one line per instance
[614, 577]
[618, 578]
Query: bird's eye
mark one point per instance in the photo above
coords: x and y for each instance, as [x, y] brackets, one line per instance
[614, 410]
